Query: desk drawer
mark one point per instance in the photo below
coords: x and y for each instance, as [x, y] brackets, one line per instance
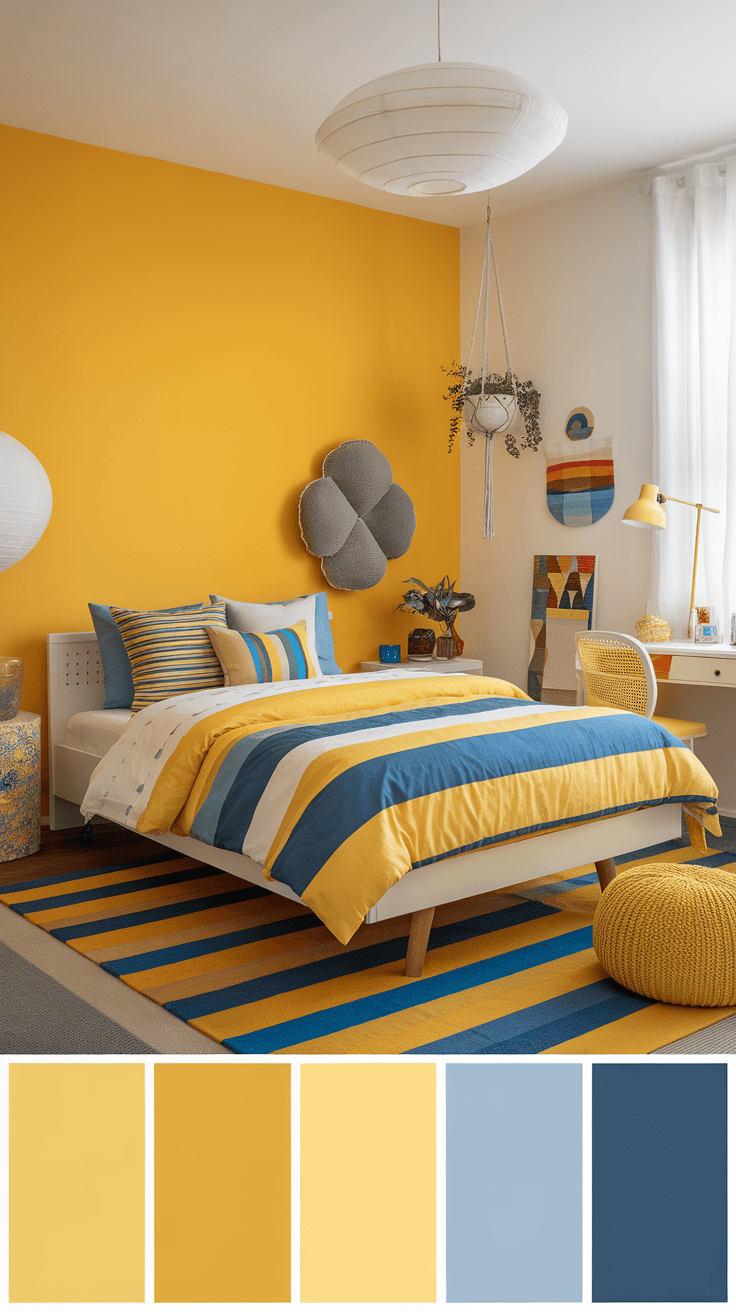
[702, 669]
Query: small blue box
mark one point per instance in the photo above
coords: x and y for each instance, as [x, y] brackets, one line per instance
[703, 633]
[389, 653]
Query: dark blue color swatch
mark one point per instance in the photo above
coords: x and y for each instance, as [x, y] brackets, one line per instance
[659, 1183]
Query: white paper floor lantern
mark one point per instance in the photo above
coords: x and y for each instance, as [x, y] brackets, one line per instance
[442, 128]
[25, 501]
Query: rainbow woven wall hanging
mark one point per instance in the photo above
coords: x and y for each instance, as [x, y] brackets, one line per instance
[580, 483]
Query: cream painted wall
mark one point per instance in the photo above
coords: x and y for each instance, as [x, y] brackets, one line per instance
[576, 281]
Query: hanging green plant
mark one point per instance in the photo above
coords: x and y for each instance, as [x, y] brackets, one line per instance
[463, 386]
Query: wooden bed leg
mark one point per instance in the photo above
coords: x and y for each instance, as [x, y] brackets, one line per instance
[606, 871]
[421, 923]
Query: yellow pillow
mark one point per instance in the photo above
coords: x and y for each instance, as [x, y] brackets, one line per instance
[264, 657]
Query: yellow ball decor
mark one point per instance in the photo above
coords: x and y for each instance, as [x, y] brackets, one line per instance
[653, 629]
[668, 932]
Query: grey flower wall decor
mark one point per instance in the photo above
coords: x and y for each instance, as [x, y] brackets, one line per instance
[355, 517]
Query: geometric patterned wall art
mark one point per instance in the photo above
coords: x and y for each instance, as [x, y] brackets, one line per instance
[563, 603]
[580, 483]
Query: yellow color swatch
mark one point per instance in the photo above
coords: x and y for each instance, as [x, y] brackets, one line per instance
[77, 1167]
[222, 1151]
[368, 1183]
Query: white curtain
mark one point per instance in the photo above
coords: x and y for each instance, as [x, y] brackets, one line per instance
[695, 388]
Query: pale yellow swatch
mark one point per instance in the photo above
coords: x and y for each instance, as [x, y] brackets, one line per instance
[77, 1167]
[368, 1183]
[222, 1183]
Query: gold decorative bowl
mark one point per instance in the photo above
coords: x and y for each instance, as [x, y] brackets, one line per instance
[653, 629]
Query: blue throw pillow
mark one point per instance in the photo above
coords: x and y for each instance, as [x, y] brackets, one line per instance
[323, 631]
[116, 667]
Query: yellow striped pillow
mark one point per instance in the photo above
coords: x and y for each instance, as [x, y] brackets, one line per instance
[265, 657]
[170, 651]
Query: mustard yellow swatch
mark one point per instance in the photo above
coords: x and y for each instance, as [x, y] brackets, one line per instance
[222, 1153]
[77, 1167]
[368, 1183]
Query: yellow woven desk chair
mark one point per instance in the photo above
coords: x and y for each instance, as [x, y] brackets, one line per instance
[616, 670]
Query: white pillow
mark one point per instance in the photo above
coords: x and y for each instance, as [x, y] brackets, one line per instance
[266, 617]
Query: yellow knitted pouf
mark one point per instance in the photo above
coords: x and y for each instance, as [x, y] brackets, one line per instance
[669, 932]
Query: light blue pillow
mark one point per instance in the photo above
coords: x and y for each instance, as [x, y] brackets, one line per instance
[323, 630]
[116, 666]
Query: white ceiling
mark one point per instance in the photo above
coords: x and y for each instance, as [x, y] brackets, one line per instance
[240, 86]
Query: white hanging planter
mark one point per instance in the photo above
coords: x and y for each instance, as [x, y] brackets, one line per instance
[493, 402]
[493, 413]
[490, 414]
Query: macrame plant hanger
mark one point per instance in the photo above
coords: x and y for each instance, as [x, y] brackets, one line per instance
[483, 299]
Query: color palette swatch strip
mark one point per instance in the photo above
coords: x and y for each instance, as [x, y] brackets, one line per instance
[223, 1162]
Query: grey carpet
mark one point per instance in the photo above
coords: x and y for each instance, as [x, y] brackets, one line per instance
[718, 1038]
[38, 1015]
[153, 1027]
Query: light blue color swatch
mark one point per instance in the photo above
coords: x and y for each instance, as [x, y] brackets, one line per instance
[514, 1183]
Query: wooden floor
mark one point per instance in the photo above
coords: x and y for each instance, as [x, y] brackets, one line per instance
[65, 850]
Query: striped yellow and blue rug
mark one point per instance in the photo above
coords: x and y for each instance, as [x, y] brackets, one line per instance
[506, 972]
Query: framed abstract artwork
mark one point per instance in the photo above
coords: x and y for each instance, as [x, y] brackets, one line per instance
[563, 603]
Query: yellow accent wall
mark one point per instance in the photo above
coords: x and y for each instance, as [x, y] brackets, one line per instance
[181, 349]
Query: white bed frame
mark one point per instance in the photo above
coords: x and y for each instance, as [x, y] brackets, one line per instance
[75, 682]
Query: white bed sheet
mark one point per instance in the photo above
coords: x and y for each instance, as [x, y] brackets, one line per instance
[95, 731]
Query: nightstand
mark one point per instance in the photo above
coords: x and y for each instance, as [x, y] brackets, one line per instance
[458, 665]
[20, 786]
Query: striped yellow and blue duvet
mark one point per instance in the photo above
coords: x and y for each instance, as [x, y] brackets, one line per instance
[338, 792]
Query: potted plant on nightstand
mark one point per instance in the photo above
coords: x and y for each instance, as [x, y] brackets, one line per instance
[443, 605]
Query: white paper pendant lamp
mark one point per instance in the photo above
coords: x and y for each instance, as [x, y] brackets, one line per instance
[25, 501]
[441, 128]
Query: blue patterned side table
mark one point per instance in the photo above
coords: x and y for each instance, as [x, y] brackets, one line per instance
[20, 786]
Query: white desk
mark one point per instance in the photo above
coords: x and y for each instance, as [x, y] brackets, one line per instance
[703, 664]
[681, 665]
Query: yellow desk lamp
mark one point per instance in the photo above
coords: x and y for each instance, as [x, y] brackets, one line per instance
[648, 512]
